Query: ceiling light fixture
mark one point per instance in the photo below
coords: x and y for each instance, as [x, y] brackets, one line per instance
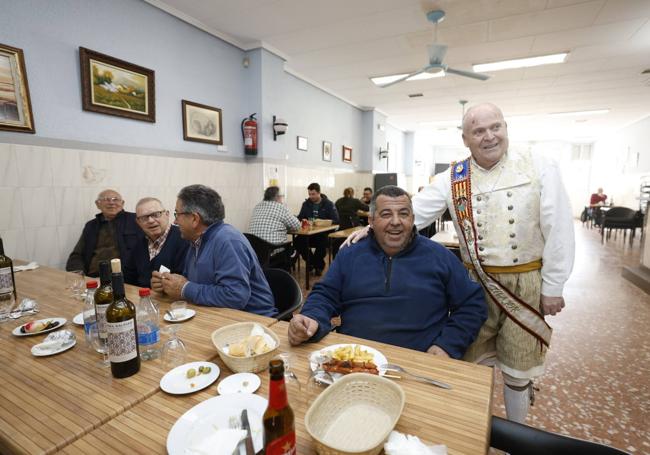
[521, 62]
[579, 113]
[383, 80]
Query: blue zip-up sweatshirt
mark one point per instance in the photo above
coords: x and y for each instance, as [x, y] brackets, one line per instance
[419, 297]
[225, 273]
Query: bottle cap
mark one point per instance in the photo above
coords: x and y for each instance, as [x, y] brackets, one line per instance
[91, 284]
[144, 292]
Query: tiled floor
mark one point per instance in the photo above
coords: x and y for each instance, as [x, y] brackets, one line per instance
[597, 383]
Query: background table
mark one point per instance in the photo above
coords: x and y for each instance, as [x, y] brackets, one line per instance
[309, 232]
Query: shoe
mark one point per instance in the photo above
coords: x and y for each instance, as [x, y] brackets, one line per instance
[318, 272]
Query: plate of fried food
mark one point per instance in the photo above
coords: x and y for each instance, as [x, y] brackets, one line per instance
[341, 359]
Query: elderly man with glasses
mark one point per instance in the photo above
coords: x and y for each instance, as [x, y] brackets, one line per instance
[113, 233]
[161, 245]
[221, 268]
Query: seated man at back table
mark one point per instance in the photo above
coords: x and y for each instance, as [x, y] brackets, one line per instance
[317, 205]
[161, 245]
[396, 287]
[221, 268]
[113, 233]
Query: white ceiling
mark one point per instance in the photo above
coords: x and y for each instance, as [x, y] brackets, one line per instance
[339, 44]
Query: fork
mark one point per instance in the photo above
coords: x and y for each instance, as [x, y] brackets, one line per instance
[393, 367]
[235, 424]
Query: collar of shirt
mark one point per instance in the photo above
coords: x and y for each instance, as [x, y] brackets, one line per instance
[156, 245]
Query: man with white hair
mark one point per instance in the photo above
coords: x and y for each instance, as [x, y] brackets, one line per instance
[113, 233]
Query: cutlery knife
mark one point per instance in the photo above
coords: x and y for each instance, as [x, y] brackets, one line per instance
[249, 438]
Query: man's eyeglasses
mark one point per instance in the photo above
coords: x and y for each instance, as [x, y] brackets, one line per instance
[114, 200]
[154, 215]
[176, 214]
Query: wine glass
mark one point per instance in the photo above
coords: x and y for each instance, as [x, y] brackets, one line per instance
[319, 379]
[7, 302]
[74, 282]
[291, 381]
[99, 344]
[173, 351]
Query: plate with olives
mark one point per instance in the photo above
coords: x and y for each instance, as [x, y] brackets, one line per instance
[189, 378]
[38, 327]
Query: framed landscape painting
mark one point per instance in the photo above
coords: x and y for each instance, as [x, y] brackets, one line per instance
[15, 105]
[327, 151]
[115, 87]
[201, 123]
[347, 154]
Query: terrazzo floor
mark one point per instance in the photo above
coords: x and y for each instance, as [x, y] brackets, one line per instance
[597, 380]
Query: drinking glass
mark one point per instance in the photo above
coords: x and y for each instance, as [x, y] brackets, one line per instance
[7, 302]
[291, 381]
[75, 283]
[178, 309]
[99, 344]
[173, 351]
[319, 379]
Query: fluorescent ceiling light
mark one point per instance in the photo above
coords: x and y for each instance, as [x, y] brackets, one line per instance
[521, 63]
[383, 80]
[579, 113]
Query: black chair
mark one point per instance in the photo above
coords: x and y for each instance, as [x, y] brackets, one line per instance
[263, 250]
[518, 439]
[619, 218]
[286, 292]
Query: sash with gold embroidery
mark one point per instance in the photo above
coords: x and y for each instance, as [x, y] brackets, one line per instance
[516, 309]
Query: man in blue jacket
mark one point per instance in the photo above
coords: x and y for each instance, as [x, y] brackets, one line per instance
[395, 287]
[221, 268]
[317, 205]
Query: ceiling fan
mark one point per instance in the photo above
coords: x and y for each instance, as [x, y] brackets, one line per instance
[436, 55]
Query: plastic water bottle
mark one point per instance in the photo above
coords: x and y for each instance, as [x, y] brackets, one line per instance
[147, 318]
[90, 318]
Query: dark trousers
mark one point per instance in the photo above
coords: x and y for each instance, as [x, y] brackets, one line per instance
[319, 242]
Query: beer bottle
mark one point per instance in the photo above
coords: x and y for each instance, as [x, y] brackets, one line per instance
[279, 427]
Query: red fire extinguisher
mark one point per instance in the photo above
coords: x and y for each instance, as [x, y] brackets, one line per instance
[249, 134]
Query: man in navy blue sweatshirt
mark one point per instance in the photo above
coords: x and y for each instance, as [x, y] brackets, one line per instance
[221, 268]
[396, 287]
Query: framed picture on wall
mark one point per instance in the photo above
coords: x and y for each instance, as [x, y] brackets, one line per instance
[201, 123]
[301, 143]
[115, 87]
[327, 151]
[347, 154]
[15, 105]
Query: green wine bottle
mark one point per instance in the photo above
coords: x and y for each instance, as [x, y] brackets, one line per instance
[121, 326]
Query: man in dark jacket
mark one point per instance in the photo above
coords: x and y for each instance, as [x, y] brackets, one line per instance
[316, 206]
[161, 245]
[395, 287]
[113, 233]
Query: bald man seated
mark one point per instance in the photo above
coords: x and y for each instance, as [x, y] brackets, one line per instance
[113, 233]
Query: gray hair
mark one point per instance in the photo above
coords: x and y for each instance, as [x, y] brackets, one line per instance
[388, 191]
[204, 201]
[144, 200]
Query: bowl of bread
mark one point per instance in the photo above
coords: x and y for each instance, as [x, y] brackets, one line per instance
[245, 347]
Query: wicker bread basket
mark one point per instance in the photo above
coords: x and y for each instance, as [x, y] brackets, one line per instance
[322, 223]
[234, 333]
[355, 415]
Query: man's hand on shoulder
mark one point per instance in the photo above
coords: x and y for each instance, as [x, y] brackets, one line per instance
[301, 328]
[551, 305]
[356, 236]
[437, 350]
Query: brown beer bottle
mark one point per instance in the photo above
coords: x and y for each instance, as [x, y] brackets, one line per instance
[279, 427]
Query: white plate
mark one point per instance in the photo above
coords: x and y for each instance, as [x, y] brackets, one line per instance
[61, 321]
[378, 357]
[38, 352]
[214, 413]
[176, 381]
[78, 319]
[239, 383]
[189, 313]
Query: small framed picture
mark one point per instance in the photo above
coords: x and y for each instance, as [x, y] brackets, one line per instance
[302, 143]
[201, 123]
[15, 106]
[327, 151]
[347, 154]
[115, 87]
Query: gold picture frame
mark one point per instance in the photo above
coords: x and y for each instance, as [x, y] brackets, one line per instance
[202, 123]
[114, 87]
[15, 104]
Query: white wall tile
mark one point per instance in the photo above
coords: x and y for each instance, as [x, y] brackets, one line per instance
[39, 208]
[14, 243]
[66, 167]
[34, 167]
[42, 245]
[11, 209]
[67, 237]
[70, 206]
[8, 166]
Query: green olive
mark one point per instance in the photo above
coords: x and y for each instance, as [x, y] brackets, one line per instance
[206, 369]
[190, 373]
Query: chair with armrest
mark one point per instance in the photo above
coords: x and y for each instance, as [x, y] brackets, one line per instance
[263, 250]
[286, 292]
[518, 439]
[618, 218]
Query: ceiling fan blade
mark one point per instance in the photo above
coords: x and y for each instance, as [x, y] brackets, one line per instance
[436, 52]
[403, 78]
[472, 74]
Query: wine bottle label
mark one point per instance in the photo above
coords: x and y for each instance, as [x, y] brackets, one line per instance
[6, 283]
[101, 320]
[284, 445]
[122, 343]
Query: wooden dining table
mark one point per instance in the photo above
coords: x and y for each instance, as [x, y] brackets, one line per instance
[66, 403]
[308, 233]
